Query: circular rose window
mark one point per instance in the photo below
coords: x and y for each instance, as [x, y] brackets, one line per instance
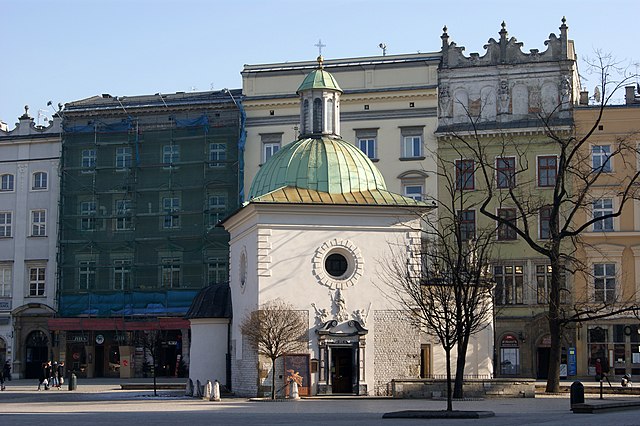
[337, 264]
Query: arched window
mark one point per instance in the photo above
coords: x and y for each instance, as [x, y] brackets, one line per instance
[7, 182]
[330, 117]
[305, 116]
[317, 115]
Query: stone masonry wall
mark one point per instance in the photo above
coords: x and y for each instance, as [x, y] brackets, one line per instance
[244, 372]
[396, 350]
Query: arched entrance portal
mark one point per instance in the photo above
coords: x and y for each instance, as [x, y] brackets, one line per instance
[36, 353]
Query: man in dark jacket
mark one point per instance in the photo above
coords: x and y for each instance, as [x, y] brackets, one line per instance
[7, 370]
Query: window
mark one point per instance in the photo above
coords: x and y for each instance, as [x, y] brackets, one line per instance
[506, 232]
[39, 181]
[123, 215]
[217, 154]
[368, 146]
[217, 270]
[121, 274]
[413, 191]
[5, 224]
[88, 158]
[543, 280]
[170, 207]
[544, 216]
[171, 273]
[88, 215]
[600, 158]
[86, 275]
[547, 170]
[509, 283]
[506, 172]
[601, 208]
[509, 361]
[123, 157]
[36, 281]
[170, 155]
[411, 142]
[269, 149]
[5, 280]
[467, 224]
[411, 146]
[465, 170]
[38, 223]
[317, 115]
[604, 275]
[217, 208]
[6, 182]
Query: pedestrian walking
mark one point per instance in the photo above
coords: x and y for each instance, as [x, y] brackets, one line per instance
[54, 376]
[42, 377]
[61, 373]
[2, 380]
[7, 370]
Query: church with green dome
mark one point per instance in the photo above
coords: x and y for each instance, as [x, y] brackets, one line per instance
[314, 233]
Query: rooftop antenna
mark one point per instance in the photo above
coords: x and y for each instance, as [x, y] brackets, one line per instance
[383, 46]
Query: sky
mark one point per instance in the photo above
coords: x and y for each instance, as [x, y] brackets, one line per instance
[67, 50]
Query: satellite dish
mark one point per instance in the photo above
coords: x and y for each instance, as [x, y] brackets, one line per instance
[596, 94]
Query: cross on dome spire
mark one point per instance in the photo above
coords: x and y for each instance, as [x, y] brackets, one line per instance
[319, 45]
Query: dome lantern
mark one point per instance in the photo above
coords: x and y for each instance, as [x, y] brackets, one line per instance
[319, 103]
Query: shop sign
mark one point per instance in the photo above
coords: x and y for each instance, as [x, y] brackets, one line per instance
[509, 341]
[78, 339]
[5, 305]
[572, 363]
[99, 339]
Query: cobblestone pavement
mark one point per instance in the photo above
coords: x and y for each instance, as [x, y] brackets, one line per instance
[101, 402]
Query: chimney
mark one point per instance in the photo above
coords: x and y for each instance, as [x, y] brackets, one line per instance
[629, 94]
[584, 97]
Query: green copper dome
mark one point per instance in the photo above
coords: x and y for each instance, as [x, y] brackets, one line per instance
[319, 79]
[325, 164]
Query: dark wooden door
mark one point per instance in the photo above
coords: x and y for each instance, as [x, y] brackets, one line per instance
[342, 370]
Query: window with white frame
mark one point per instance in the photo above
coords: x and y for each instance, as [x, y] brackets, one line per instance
[217, 154]
[467, 220]
[601, 158]
[217, 208]
[6, 222]
[6, 273]
[506, 172]
[7, 182]
[411, 142]
[86, 275]
[171, 206]
[505, 231]
[217, 270]
[37, 276]
[121, 274]
[509, 281]
[124, 221]
[602, 208]
[170, 155]
[123, 157]
[465, 174]
[39, 181]
[88, 159]
[544, 217]
[413, 191]
[170, 272]
[38, 223]
[367, 142]
[543, 281]
[547, 170]
[604, 275]
[88, 215]
[271, 143]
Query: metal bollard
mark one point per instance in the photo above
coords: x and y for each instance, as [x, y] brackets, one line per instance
[577, 393]
[73, 382]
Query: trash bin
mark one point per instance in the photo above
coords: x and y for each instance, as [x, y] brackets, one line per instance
[577, 393]
[73, 382]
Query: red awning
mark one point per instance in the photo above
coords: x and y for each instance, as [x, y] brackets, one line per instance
[69, 324]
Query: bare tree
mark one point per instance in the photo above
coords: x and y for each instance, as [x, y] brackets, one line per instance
[443, 287]
[276, 329]
[574, 182]
[151, 342]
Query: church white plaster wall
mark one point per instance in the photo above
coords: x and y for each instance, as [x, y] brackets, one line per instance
[209, 341]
